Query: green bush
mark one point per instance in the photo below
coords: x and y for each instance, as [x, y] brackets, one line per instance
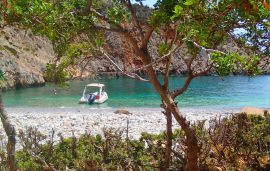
[238, 142]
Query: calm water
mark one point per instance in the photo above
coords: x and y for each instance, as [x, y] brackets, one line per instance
[233, 92]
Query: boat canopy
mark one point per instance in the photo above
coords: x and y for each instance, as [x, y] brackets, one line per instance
[95, 85]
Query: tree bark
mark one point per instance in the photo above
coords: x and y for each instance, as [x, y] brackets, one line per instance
[168, 139]
[192, 142]
[10, 132]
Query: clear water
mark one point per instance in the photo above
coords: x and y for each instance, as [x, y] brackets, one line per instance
[209, 91]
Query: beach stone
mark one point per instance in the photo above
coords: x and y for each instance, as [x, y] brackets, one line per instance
[122, 111]
[255, 111]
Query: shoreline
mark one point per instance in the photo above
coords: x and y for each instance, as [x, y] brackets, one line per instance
[93, 120]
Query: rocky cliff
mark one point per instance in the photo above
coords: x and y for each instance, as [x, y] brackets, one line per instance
[23, 57]
[122, 54]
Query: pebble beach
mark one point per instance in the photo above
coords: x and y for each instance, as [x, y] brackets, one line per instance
[93, 120]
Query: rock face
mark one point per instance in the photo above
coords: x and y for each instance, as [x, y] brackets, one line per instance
[121, 52]
[23, 57]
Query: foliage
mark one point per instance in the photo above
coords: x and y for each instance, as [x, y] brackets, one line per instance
[64, 23]
[76, 29]
[238, 142]
[72, 27]
[1, 75]
[234, 63]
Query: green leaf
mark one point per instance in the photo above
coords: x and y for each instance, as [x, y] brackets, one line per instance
[177, 12]
[1, 75]
[189, 2]
[178, 9]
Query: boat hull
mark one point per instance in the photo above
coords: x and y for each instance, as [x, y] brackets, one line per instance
[101, 99]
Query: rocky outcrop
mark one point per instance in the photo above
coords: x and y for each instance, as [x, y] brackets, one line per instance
[122, 54]
[23, 57]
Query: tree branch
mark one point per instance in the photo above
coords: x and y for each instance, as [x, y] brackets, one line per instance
[147, 37]
[180, 91]
[168, 63]
[11, 135]
[205, 49]
[158, 60]
[128, 4]
[205, 71]
[98, 28]
[131, 75]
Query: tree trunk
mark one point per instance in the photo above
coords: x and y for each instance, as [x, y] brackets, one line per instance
[168, 139]
[192, 142]
[10, 132]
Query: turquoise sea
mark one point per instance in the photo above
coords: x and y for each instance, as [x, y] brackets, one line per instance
[204, 92]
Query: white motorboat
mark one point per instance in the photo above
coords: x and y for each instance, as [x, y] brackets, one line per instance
[94, 93]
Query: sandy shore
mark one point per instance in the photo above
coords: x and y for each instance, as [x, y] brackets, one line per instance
[80, 120]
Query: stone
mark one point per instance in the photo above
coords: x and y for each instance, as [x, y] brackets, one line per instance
[122, 111]
[255, 111]
[23, 56]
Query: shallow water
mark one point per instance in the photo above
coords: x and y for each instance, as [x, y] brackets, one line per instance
[204, 92]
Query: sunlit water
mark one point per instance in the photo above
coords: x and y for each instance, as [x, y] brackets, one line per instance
[204, 92]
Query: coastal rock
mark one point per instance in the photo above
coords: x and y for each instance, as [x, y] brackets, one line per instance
[122, 111]
[23, 57]
[122, 53]
[256, 111]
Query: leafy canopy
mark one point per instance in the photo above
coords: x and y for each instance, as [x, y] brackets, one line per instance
[72, 26]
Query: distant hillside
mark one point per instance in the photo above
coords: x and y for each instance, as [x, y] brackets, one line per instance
[23, 55]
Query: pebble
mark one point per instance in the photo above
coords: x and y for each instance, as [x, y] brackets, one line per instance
[68, 120]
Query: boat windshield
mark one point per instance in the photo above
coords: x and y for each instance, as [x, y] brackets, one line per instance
[90, 90]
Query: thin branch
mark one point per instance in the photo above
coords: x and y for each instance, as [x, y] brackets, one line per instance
[128, 4]
[40, 160]
[205, 71]
[158, 60]
[205, 49]
[100, 16]
[131, 75]
[98, 28]
[166, 75]
[168, 63]
[180, 91]
[117, 28]
[191, 75]
[147, 36]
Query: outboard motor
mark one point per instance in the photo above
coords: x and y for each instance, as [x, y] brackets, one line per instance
[91, 98]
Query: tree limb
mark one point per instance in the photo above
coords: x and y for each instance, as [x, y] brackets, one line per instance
[131, 75]
[128, 4]
[205, 49]
[11, 133]
[147, 37]
[180, 91]
[158, 60]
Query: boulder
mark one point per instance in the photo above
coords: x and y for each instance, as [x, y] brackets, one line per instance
[255, 111]
[23, 57]
[122, 111]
